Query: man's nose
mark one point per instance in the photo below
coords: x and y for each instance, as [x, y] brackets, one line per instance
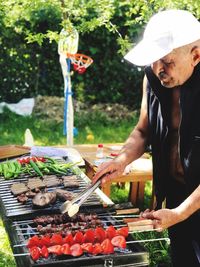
[158, 66]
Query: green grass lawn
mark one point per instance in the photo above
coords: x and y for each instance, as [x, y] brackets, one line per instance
[50, 132]
[6, 257]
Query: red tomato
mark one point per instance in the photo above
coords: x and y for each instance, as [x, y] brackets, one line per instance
[34, 241]
[97, 249]
[111, 232]
[33, 159]
[35, 253]
[78, 238]
[56, 239]
[76, 250]
[100, 234]
[123, 231]
[107, 246]
[65, 249]
[55, 249]
[68, 239]
[22, 160]
[87, 247]
[89, 236]
[19, 160]
[41, 159]
[45, 241]
[27, 159]
[119, 241]
[44, 252]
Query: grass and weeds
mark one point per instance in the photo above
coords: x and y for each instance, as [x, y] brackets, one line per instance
[6, 257]
[50, 132]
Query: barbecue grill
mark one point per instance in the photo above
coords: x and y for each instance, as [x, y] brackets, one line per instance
[133, 255]
[18, 221]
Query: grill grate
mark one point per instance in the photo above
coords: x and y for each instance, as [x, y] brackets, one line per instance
[12, 207]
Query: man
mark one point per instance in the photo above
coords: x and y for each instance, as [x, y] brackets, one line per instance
[170, 122]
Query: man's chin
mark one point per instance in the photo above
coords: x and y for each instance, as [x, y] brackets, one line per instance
[167, 84]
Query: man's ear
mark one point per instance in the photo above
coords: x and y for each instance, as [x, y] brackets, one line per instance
[195, 55]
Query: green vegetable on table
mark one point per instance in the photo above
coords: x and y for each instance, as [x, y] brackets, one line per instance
[30, 165]
[36, 168]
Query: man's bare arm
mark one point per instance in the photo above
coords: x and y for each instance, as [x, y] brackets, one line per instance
[135, 145]
[133, 148]
[190, 205]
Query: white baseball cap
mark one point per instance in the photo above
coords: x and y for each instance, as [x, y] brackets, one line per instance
[164, 32]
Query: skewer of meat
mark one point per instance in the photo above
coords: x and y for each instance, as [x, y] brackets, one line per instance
[58, 219]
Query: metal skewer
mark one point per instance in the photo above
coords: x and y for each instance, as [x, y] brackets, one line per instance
[127, 242]
[19, 223]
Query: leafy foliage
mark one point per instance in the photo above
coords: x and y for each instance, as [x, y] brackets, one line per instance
[30, 30]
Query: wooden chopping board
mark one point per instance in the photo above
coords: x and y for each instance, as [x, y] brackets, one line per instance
[9, 151]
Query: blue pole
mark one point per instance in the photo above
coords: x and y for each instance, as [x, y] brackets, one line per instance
[67, 93]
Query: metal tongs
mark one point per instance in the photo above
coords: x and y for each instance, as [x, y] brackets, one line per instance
[72, 207]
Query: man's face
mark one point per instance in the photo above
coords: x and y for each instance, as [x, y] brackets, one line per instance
[175, 68]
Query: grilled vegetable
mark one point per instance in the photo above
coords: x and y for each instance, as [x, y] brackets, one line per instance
[68, 239]
[122, 231]
[44, 252]
[107, 246]
[38, 247]
[56, 239]
[35, 253]
[55, 250]
[18, 168]
[66, 249]
[79, 238]
[10, 169]
[110, 232]
[89, 236]
[35, 168]
[119, 241]
[100, 234]
[6, 171]
[87, 247]
[97, 249]
[76, 250]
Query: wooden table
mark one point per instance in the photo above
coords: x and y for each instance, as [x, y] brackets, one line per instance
[141, 171]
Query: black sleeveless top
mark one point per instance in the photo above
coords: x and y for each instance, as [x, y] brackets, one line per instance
[159, 102]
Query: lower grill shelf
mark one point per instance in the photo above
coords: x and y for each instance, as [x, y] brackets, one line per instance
[133, 255]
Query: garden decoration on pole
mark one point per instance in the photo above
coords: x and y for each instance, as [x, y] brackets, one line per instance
[67, 48]
[68, 43]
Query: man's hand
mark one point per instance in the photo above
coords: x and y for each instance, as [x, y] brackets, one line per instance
[109, 170]
[163, 218]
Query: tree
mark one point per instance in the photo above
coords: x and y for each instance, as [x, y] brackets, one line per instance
[107, 28]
